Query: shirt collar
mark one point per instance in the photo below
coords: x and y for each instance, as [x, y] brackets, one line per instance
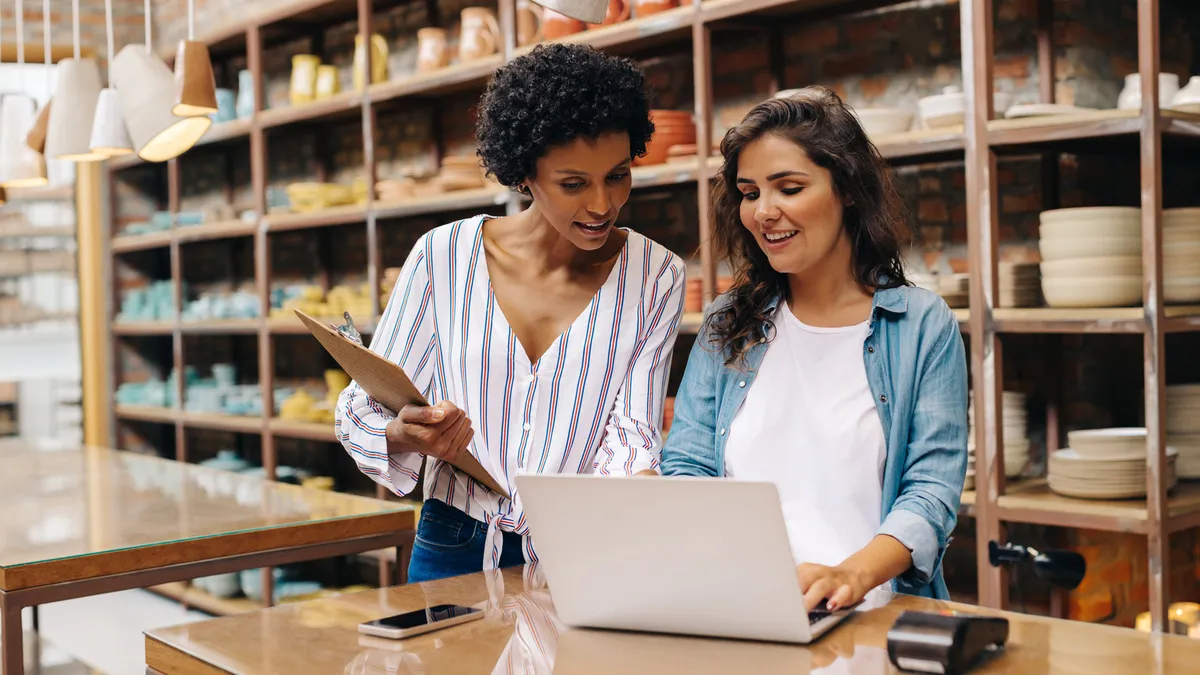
[892, 300]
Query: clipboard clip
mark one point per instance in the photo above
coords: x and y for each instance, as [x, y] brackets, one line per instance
[348, 330]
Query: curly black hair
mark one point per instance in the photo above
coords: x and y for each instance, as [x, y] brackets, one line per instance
[554, 94]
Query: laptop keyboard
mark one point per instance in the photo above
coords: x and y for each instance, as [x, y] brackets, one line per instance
[817, 614]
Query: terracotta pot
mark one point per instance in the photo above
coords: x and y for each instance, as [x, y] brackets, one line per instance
[529, 23]
[618, 11]
[644, 8]
[693, 297]
[555, 25]
[433, 49]
[480, 36]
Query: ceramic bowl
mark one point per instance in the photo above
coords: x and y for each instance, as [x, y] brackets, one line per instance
[1065, 248]
[883, 121]
[1099, 291]
[1183, 290]
[1090, 213]
[1083, 267]
[1112, 443]
[1082, 229]
[949, 108]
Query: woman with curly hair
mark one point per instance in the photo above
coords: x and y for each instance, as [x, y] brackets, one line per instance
[544, 337]
[822, 370]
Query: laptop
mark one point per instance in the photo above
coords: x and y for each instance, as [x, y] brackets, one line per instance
[688, 556]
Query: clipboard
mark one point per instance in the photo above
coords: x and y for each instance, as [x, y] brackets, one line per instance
[387, 383]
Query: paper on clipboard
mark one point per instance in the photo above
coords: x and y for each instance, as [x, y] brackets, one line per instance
[387, 383]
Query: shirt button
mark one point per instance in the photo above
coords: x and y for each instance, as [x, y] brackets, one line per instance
[526, 426]
[742, 383]
[883, 397]
[722, 432]
[870, 350]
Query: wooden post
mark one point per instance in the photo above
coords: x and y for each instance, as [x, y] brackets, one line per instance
[702, 75]
[1152, 302]
[982, 243]
[95, 324]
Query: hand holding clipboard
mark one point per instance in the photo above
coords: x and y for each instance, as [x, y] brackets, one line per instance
[388, 384]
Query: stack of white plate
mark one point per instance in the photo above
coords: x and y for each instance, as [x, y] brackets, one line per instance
[1183, 427]
[1181, 255]
[1091, 257]
[1015, 435]
[1105, 464]
[955, 289]
[1018, 284]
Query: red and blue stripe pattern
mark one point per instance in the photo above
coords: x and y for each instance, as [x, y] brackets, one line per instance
[591, 403]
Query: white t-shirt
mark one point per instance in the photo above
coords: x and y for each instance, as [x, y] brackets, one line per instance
[809, 425]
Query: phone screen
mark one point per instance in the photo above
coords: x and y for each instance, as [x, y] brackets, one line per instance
[423, 617]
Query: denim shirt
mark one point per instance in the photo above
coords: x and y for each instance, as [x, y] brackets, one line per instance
[917, 372]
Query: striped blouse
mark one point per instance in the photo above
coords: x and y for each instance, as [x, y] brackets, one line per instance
[592, 403]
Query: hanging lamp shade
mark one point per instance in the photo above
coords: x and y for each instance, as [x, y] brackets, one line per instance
[110, 138]
[587, 11]
[145, 88]
[195, 87]
[74, 110]
[36, 138]
[20, 165]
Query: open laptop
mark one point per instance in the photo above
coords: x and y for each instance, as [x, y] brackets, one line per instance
[690, 556]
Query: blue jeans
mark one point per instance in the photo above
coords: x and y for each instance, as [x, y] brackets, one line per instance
[450, 543]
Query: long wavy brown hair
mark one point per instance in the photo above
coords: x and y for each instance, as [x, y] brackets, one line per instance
[818, 121]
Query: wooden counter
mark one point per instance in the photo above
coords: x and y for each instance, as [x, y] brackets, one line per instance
[522, 634]
[87, 521]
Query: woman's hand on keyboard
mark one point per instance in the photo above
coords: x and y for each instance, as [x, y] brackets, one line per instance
[442, 431]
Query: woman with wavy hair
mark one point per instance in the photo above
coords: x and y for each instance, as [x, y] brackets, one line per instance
[822, 370]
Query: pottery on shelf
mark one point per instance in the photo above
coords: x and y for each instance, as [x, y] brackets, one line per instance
[329, 81]
[379, 58]
[480, 35]
[1188, 99]
[555, 25]
[433, 49]
[1130, 97]
[304, 78]
[644, 8]
[883, 121]
[618, 11]
[226, 106]
[529, 23]
[245, 94]
[949, 108]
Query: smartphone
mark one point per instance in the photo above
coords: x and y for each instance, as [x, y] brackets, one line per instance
[420, 621]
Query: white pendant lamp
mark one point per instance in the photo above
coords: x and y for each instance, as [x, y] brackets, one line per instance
[587, 11]
[74, 105]
[20, 165]
[195, 87]
[109, 138]
[145, 86]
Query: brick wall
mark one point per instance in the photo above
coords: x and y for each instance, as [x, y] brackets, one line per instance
[128, 25]
[213, 176]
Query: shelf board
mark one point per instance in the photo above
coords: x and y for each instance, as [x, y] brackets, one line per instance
[143, 327]
[291, 325]
[34, 231]
[220, 326]
[206, 602]
[217, 230]
[48, 193]
[1033, 502]
[312, 431]
[126, 243]
[634, 34]
[147, 413]
[922, 144]
[336, 215]
[446, 201]
[338, 104]
[227, 131]
[660, 175]
[220, 422]
[716, 10]
[1086, 125]
[691, 322]
[1106, 320]
[450, 78]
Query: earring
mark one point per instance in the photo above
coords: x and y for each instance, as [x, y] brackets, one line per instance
[523, 189]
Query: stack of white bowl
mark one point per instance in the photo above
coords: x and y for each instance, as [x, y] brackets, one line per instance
[955, 289]
[1018, 284]
[1091, 256]
[1183, 427]
[1181, 255]
[1105, 464]
[1015, 435]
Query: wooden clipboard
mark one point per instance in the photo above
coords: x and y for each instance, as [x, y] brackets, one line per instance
[387, 383]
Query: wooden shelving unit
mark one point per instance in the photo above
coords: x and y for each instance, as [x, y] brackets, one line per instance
[977, 143]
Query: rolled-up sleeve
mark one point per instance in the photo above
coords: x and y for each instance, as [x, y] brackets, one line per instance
[405, 336]
[926, 508]
[633, 437]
